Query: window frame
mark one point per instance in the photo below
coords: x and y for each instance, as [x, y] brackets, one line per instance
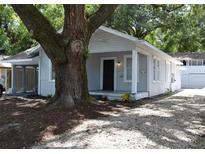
[50, 72]
[125, 68]
[156, 70]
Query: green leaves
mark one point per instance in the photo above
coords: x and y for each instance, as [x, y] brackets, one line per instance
[172, 28]
[13, 34]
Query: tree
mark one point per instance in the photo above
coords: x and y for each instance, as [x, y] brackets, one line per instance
[141, 20]
[185, 34]
[14, 36]
[170, 27]
[67, 51]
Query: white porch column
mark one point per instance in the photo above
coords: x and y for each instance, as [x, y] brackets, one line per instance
[134, 71]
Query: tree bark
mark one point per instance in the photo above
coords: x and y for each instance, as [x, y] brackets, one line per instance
[67, 51]
[71, 82]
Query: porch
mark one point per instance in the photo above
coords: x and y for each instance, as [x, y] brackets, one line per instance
[112, 95]
[113, 74]
[24, 79]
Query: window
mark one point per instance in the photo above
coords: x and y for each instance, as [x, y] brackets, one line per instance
[52, 72]
[200, 63]
[189, 62]
[194, 63]
[184, 62]
[165, 71]
[128, 69]
[156, 70]
[204, 62]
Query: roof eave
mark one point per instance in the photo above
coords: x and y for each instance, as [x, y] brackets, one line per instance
[145, 43]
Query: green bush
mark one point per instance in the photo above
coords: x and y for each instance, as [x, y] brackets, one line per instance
[125, 97]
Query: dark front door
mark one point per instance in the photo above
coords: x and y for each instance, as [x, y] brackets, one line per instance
[108, 75]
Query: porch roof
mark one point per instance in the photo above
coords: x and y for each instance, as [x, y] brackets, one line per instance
[25, 56]
[188, 55]
[2, 64]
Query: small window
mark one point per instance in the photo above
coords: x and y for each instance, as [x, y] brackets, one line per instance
[204, 62]
[189, 61]
[52, 72]
[156, 70]
[128, 68]
[200, 62]
[194, 63]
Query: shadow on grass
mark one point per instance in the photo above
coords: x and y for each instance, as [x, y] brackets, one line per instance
[24, 122]
[167, 122]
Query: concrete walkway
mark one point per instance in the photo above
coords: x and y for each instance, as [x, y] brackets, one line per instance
[172, 122]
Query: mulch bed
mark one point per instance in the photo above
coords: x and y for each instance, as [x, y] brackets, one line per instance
[24, 122]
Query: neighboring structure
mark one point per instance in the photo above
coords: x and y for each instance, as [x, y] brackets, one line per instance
[5, 74]
[193, 70]
[117, 64]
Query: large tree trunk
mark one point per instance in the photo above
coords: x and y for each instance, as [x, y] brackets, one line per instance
[71, 78]
[67, 51]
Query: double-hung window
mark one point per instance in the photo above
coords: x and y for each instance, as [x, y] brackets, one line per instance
[156, 70]
[52, 72]
[128, 69]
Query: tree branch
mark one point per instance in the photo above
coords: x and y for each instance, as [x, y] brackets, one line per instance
[74, 20]
[42, 31]
[100, 16]
[163, 6]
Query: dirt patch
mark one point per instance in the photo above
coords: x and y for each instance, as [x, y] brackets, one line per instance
[25, 122]
[176, 122]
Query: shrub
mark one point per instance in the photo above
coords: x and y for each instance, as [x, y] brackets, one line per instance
[125, 97]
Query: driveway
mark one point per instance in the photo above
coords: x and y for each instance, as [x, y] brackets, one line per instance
[177, 121]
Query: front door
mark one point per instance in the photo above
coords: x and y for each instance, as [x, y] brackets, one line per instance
[108, 74]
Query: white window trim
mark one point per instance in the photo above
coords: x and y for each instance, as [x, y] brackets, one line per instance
[165, 71]
[50, 72]
[101, 70]
[154, 80]
[125, 68]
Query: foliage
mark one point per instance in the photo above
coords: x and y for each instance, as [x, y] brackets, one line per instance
[140, 20]
[13, 34]
[184, 34]
[172, 28]
[54, 13]
[125, 97]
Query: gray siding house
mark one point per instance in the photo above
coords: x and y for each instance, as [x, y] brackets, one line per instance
[117, 63]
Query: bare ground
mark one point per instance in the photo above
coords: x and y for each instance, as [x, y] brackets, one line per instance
[176, 121]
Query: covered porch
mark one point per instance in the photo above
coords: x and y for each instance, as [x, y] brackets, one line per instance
[25, 72]
[25, 79]
[113, 74]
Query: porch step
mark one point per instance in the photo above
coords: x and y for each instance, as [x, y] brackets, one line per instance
[117, 95]
[110, 95]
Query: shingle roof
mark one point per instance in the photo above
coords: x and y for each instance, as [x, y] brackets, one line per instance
[189, 55]
[29, 53]
[2, 64]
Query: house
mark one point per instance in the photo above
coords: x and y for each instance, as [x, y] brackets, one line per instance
[193, 69]
[5, 73]
[117, 63]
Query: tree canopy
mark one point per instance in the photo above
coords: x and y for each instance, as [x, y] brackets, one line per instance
[172, 28]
